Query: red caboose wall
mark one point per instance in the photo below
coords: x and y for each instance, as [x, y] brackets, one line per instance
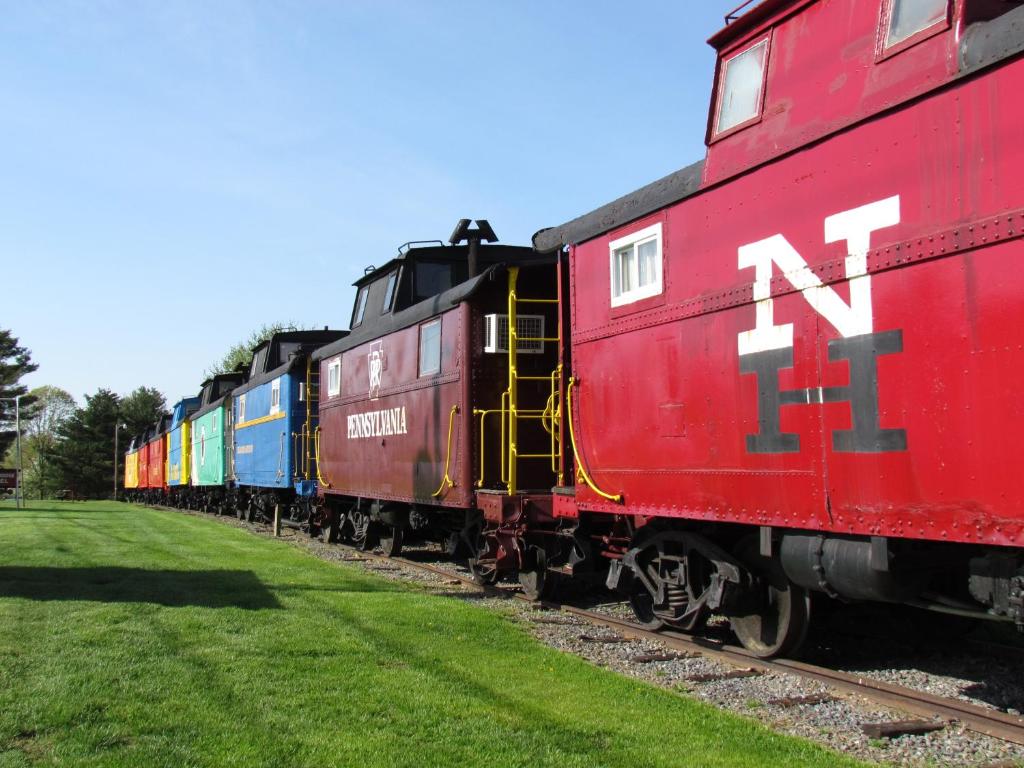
[144, 479]
[388, 438]
[157, 464]
[667, 404]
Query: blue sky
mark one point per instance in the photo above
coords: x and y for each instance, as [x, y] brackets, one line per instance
[175, 174]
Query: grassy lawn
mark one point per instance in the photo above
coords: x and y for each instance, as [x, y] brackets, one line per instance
[144, 638]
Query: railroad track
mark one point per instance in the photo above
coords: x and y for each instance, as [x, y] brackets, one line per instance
[932, 708]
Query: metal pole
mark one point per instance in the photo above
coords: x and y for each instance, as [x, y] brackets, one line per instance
[21, 469]
[117, 428]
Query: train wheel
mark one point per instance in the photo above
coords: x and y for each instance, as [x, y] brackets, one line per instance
[482, 564]
[537, 582]
[391, 538]
[667, 566]
[779, 612]
[642, 603]
[484, 573]
[363, 537]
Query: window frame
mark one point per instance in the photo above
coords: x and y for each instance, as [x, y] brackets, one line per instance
[359, 310]
[241, 409]
[332, 367]
[634, 239]
[390, 291]
[275, 396]
[419, 367]
[723, 68]
[885, 51]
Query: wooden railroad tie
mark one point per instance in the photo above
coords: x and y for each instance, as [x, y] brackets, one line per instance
[714, 677]
[610, 639]
[795, 701]
[648, 658]
[901, 728]
[550, 620]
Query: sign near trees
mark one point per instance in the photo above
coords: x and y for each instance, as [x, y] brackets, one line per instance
[8, 479]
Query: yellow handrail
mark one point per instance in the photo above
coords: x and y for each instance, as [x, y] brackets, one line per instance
[316, 441]
[581, 472]
[448, 456]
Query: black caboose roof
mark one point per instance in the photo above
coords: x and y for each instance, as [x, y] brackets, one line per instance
[429, 277]
[216, 389]
[283, 352]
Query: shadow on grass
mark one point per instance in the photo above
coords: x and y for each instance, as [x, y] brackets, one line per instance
[206, 589]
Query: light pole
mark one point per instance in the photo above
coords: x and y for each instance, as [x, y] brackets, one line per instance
[17, 427]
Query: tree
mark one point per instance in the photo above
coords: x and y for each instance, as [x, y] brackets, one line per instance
[15, 362]
[141, 408]
[83, 454]
[51, 409]
[242, 351]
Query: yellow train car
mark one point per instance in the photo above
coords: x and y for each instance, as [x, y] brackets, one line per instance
[131, 467]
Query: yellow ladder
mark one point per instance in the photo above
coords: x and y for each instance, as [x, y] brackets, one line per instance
[550, 416]
[307, 437]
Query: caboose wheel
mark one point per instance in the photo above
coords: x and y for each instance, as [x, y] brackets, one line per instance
[391, 538]
[670, 578]
[537, 582]
[484, 573]
[363, 534]
[777, 615]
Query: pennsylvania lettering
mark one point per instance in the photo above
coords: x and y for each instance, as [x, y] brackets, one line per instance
[390, 421]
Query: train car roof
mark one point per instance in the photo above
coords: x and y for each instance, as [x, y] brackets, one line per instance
[991, 34]
[216, 390]
[270, 366]
[398, 319]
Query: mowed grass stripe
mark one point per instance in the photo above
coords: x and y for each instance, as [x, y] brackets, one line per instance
[133, 637]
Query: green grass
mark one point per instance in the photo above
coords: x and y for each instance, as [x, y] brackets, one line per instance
[136, 637]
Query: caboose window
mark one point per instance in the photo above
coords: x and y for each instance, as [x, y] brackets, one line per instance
[742, 83]
[908, 17]
[275, 396]
[360, 309]
[241, 409]
[636, 266]
[334, 378]
[430, 348]
[389, 292]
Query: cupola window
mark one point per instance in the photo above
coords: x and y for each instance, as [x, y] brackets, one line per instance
[742, 87]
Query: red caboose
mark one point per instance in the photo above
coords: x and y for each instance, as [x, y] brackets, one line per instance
[795, 363]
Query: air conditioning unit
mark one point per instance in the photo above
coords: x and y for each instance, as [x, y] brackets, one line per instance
[527, 327]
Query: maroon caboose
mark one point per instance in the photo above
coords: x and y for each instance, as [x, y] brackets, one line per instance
[415, 407]
[796, 364]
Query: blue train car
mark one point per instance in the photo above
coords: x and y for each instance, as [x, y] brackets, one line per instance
[275, 420]
[179, 445]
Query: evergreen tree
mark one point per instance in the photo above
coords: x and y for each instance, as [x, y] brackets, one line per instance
[84, 453]
[15, 362]
[140, 409]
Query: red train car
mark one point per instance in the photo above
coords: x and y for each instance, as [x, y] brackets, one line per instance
[143, 442]
[794, 365]
[152, 460]
[157, 469]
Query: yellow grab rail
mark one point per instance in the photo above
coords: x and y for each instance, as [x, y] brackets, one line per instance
[447, 480]
[316, 441]
[581, 472]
